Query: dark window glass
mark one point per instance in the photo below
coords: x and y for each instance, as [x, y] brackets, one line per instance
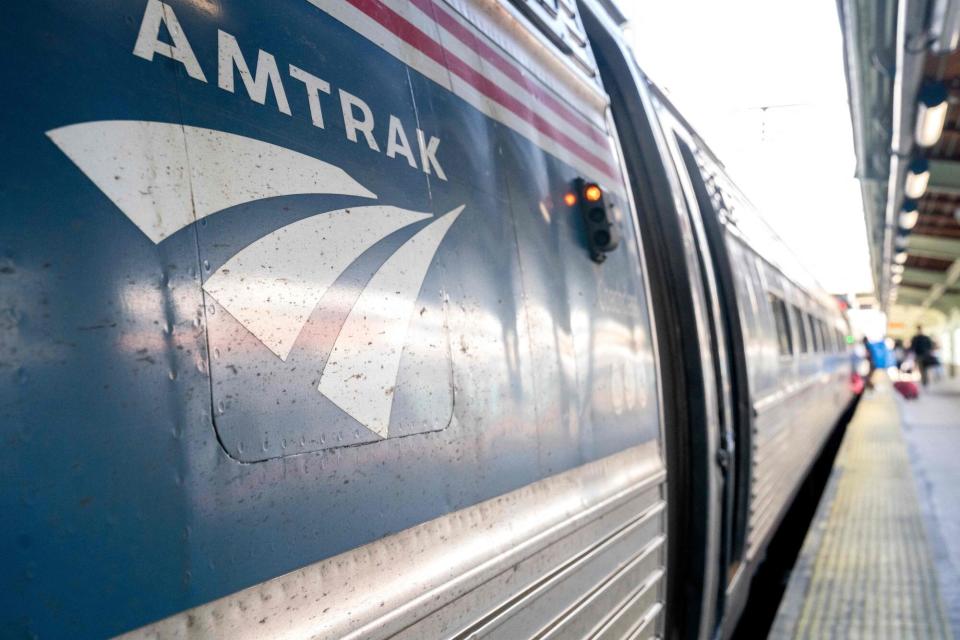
[816, 339]
[798, 322]
[784, 340]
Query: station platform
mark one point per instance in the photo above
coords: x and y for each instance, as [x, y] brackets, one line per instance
[882, 556]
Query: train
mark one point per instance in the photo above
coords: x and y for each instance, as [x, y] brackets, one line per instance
[384, 319]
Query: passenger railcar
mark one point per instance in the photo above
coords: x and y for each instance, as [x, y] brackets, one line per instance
[376, 318]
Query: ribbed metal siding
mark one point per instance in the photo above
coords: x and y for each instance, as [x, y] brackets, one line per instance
[786, 440]
[600, 581]
[580, 554]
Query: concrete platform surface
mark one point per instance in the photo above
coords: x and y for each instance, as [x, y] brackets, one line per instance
[931, 427]
[880, 558]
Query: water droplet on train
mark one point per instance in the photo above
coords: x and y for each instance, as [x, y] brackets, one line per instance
[206, 265]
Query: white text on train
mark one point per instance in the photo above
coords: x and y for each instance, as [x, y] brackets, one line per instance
[357, 116]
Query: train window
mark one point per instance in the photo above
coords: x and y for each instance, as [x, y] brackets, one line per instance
[783, 324]
[823, 333]
[812, 345]
[816, 338]
[752, 275]
[750, 312]
[798, 321]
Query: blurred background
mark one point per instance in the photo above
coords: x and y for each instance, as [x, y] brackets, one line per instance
[779, 121]
[832, 177]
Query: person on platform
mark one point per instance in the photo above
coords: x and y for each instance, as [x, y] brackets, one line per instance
[899, 353]
[922, 347]
[869, 357]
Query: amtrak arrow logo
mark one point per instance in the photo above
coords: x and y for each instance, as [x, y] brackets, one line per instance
[165, 176]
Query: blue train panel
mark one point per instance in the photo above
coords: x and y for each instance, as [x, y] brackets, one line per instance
[281, 279]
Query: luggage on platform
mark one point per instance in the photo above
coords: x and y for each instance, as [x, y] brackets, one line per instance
[907, 388]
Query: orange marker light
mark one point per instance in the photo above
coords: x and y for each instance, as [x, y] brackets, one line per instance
[569, 199]
[592, 193]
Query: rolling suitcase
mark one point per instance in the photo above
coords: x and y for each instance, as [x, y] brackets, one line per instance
[907, 388]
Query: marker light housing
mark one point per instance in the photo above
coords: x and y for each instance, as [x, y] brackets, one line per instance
[603, 235]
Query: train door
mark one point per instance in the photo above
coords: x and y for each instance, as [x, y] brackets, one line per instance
[705, 207]
[695, 378]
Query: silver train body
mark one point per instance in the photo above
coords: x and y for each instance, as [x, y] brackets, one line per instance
[307, 331]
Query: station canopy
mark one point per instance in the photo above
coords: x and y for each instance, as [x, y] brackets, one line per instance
[903, 79]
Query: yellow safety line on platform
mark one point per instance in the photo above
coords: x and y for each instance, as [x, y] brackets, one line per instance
[873, 576]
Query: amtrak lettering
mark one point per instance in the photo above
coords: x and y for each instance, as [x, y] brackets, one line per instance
[358, 119]
[166, 176]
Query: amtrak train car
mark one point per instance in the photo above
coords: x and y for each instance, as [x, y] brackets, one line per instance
[383, 319]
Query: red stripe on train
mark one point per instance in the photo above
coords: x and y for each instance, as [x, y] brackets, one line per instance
[509, 69]
[416, 38]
